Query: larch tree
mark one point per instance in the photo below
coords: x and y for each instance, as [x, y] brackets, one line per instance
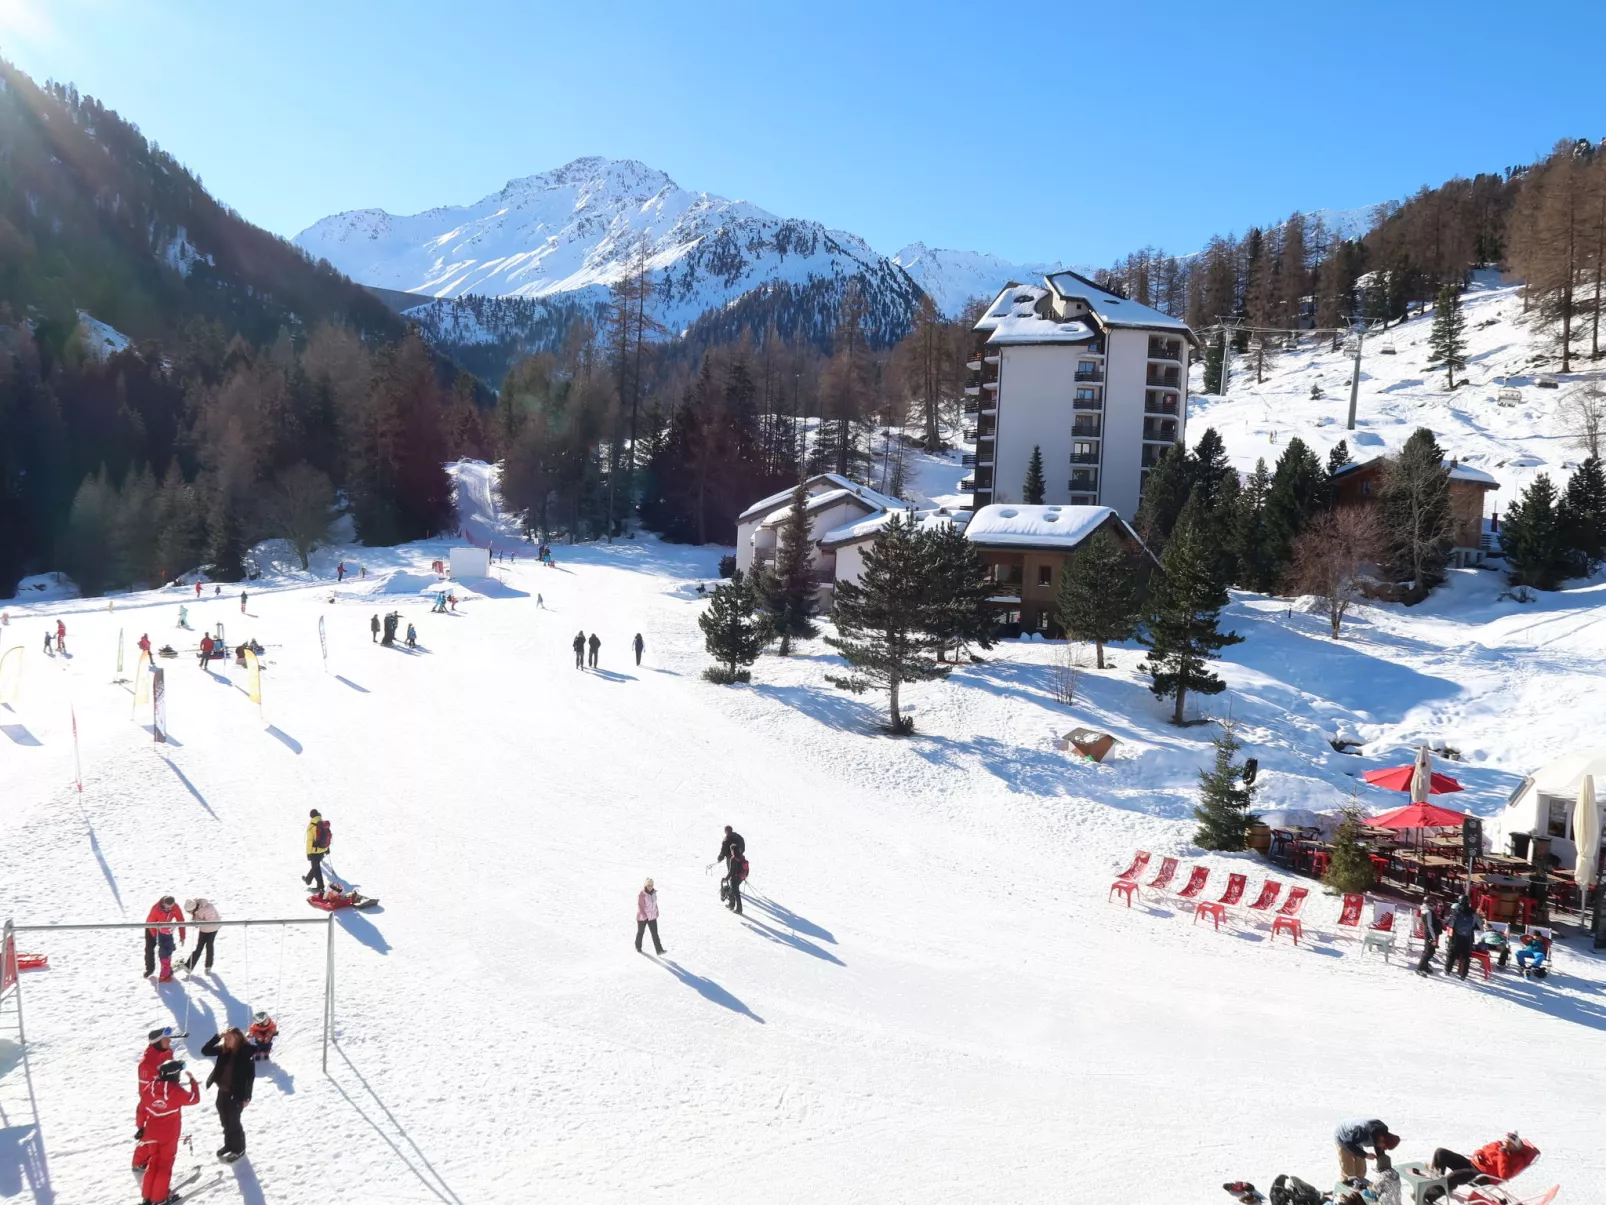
[1098, 597]
[881, 628]
[1330, 556]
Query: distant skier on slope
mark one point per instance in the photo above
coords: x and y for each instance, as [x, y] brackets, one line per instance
[163, 1126]
[638, 644]
[596, 644]
[319, 837]
[373, 629]
[580, 650]
[733, 852]
[412, 637]
[61, 636]
[647, 916]
[145, 642]
[242, 602]
[159, 937]
[206, 649]
[49, 651]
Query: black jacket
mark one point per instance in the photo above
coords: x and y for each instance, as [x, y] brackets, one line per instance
[1432, 925]
[236, 1067]
[579, 642]
[733, 843]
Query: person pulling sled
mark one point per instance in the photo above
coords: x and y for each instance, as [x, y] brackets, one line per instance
[733, 852]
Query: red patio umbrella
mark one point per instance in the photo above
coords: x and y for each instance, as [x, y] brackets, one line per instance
[1417, 815]
[1398, 778]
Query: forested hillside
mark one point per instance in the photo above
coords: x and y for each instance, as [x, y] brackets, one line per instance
[257, 383]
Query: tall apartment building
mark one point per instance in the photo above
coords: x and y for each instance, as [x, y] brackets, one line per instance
[1099, 383]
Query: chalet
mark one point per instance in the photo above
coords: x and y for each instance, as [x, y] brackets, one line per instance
[834, 502]
[1358, 485]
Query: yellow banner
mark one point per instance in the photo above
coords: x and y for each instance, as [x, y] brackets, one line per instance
[142, 681]
[11, 674]
[253, 677]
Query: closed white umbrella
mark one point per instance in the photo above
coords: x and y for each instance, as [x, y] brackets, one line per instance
[1422, 777]
[1586, 833]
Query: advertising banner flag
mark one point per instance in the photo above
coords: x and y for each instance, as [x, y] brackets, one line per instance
[323, 641]
[253, 678]
[159, 704]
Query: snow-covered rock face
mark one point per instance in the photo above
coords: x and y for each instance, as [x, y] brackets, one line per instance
[953, 278]
[581, 226]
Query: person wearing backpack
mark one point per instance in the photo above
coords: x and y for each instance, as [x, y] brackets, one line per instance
[1463, 929]
[1432, 928]
[318, 838]
[733, 852]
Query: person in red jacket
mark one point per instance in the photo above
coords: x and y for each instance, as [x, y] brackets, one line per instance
[145, 643]
[159, 1051]
[206, 649]
[1501, 1159]
[159, 939]
[164, 1124]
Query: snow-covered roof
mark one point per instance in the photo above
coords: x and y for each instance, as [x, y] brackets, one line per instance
[817, 484]
[1020, 525]
[1013, 330]
[1115, 311]
[862, 529]
[819, 502]
[1462, 472]
[1016, 301]
[1564, 775]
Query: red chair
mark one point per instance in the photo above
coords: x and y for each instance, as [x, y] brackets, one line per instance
[1350, 917]
[1195, 883]
[1287, 918]
[1267, 900]
[1126, 881]
[1319, 861]
[1481, 957]
[1162, 879]
[1384, 923]
[1216, 910]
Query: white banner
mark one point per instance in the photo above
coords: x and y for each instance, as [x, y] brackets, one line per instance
[77, 762]
[323, 641]
[159, 704]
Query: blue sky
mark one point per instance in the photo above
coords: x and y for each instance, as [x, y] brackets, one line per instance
[1032, 131]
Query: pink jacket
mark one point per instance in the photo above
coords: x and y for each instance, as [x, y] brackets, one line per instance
[647, 906]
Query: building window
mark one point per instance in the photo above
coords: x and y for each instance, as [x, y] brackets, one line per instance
[1045, 575]
[1558, 815]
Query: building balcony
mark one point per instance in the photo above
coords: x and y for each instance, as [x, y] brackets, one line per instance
[979, 460]
[1169, 378]
[1165, 349]
[1084, 377]
[1086, 430]
[991, 386]
[1158, 403]
[972, 390]
[1003, 590]
[973, 363]
[967, 484]
[1087, 403]
[1161, 429]
[1084, 457]
[968, 435]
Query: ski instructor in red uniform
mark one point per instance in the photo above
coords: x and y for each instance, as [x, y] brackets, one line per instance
[163, 1125]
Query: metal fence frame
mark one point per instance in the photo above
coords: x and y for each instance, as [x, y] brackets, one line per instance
[328, 973]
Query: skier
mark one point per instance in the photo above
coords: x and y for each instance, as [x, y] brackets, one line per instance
[412, 637]
[373, 628]
[1463, 928]
[159, 937]
[197, 589]
[242, 602]
[206, 649]
[261, 1034]
[183, 616]
[234, 1075]
[647, 916]
[144, 642]
[48, 650]
[732, 852]
[201, 911]
[163, 1126]
[157, 1052]
[451, 601]
[540, 602]
[595, 645]
[638, 644]
[319, 837]
[580, 649]
[340, 572]
[61, 636]
[217, 591]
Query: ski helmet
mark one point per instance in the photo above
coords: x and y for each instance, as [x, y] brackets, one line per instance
[156, 1035]
[260, 1016]
[169, 1070]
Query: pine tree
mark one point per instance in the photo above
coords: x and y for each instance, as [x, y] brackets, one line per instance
[91, 525]
[1032, 490]
[1224, 798]
[179, 530]
[1533, 539]
[788, 591]
[1214, 361]
[1097, 598]
[1181, 628]
[1248, 533]
[1165, 492]
[1447, 342]
[880, 620]
[134, 530]
[1299, 488]
[733, 633]
[1209, 467]
[1350, 866]
[1417, 521]
[959, 614]
[1338, 457]
[1583, 511]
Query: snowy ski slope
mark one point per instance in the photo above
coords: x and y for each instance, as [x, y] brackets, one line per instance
[929, 999]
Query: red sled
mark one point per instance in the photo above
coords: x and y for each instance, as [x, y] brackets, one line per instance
[327, 905]
[32, 962]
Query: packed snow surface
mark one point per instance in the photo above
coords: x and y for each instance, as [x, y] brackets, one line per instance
[929, 998]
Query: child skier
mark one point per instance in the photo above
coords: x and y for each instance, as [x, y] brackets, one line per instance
[412, 637]
[159, 938]
[163, 1126]
[261, 1034]
[61, 636]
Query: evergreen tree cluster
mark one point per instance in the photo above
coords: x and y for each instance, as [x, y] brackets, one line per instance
[1549, 536]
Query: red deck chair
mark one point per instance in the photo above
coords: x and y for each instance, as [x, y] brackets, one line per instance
[1162, 880]
[1195, 884]
[1287, 918]
[1127, 881]
[1384, 923]
[1350, 917]
[1267, 900]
